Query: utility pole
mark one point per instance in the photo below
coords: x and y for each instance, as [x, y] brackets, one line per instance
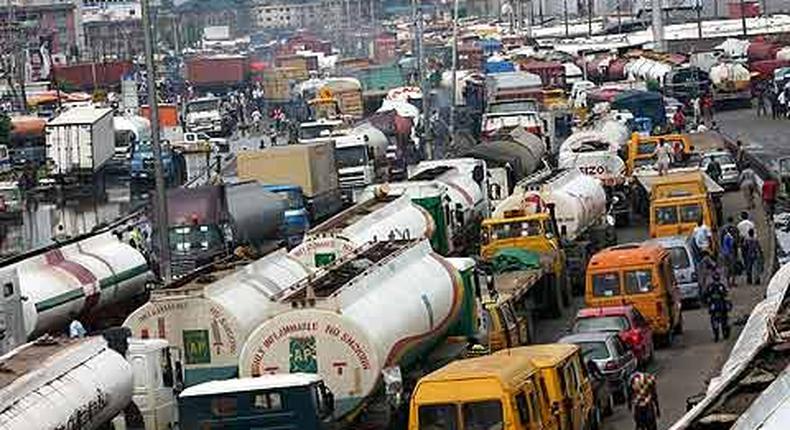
[422, 82]
[658, 26]
[565, 14]
[699, 19]
[160, 207]
[454, 86]
[743, 18]
[589, 17]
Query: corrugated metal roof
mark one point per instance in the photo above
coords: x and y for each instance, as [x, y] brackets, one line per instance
[771, 411]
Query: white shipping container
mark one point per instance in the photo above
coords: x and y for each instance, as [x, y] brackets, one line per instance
[80, 140]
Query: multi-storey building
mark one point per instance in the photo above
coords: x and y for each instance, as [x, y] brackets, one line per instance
[292, 14]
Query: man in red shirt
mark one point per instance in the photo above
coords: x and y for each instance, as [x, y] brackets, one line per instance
[770, 190]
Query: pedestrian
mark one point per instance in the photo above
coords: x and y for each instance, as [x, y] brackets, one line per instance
[731, 228]
[740, 154]
[728, 251]
[774, 102]
[697, 104]
[702, 236]
[761, 105]
[714, 169]
[748, 181]
[76, 329]
[744, 225]
[662, 154]
[679, 120]
[718, 309]
[782, 101]
[770, 190]
[643, 398]
[752, 258]
[707, 108]
[708, 267]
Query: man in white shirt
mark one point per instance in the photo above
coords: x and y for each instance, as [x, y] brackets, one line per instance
[702, 236]
[76, 329]
[745, 225]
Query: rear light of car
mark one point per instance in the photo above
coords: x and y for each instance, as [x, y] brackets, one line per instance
[610, 365]
[634, 337]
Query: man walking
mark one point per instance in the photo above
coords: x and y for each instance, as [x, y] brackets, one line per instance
[752, 258]
[662, 154]
[643, 397]
[718, 308]
[748, 184]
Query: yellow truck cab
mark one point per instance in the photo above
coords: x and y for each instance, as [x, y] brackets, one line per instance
[535, 233]
[506, 321]
[677, 201]
[564, 378]
[641, 148]
[492, 392]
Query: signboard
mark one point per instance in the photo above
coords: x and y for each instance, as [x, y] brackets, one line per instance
[196, 347]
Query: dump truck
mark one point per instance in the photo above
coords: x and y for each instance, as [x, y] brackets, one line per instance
[310, 166]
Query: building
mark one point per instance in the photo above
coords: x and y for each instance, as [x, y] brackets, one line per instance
[55, 21]
[294, 14]
[194, 16]
[113, 30]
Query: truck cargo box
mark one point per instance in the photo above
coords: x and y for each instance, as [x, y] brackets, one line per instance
[311, 166]
[93, 75]
[80, 140]
[220, 70]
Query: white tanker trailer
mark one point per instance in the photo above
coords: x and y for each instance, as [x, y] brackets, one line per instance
[597, 153]
[384, 217]
[467, 185]
[384, 309]
[209, 323]
[78, 279]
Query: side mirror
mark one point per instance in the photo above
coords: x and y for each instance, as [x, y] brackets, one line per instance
[610, 220]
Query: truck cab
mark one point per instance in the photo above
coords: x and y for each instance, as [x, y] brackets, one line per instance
[296, 218]
[678, 201]
[641, 149]
[205, 115]
[361, 158]
[141, 166]
[157, 378]
[321, 130]
[271, 402]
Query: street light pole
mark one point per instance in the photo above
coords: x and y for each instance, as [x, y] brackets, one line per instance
[160, 206]
[454, 89]
[743, 18]
[565, 13]
[699, 19]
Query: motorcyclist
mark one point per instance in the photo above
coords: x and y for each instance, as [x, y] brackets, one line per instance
[718, 308]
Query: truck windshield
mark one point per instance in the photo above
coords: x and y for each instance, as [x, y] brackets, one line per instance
[667, 215]
[202, 106]
[294, 198]
[514, 106]
[351, 156]
[606, 284]
[315, 131]
[195, 237]
[638, 281]
[690, 213]
[438, 417]
[511, 230]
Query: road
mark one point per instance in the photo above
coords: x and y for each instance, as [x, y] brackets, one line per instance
[684, 369]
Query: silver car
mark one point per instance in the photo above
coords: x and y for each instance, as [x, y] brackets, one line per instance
[684, 263]
[729, 169]
[611, 356]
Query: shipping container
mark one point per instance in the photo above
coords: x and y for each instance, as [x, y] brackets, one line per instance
[552, 74]
[88, 76]
[80, 140]
[226, 70]
[310, 166]
[380, 78]
[279, 82]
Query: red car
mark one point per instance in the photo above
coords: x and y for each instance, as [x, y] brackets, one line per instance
[632, 327]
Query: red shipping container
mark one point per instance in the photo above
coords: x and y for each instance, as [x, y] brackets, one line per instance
[207, 71]
[552, 75]
[88, 76]
[168, 114]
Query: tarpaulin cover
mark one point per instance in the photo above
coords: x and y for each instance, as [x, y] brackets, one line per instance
[513, 259]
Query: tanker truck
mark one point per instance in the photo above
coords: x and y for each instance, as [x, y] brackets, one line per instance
[731, 83]
[509, 159]
[208, 324]
[334, 325]
[597, 153]
[560, 216]
[361, 157]
[467, 185]
[90, 278]
[206, 223]
[384, 217]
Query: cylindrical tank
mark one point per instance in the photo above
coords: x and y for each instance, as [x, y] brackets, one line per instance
[579, 201]
[77, 279]
[524, 153]
[730, 77]
[381, 318]
[218, 316]
[616, 70]
[138, 126]
[466, 182]
[256, 214]
[594, 153]
[365, 134]
[399, 219]
[79, 381]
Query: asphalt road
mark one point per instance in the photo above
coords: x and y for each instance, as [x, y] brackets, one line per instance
[684, 369]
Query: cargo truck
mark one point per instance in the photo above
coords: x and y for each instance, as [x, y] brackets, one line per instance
[80, 142]
[207, 115]
[310, 166]
[217, 72]
[361, 157]
[560, 216]
[207, 223]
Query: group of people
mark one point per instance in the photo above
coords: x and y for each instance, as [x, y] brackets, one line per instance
[777, 99]
[702, 108]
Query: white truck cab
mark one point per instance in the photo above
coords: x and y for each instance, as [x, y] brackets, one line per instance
[157, 379]
[218, 144]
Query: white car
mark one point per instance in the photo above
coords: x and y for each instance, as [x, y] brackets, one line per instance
[729, 169]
